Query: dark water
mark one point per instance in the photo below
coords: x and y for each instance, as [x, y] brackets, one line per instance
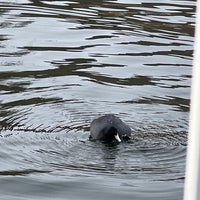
[64, 63]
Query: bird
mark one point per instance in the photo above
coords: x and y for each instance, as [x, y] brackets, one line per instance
[109, 128]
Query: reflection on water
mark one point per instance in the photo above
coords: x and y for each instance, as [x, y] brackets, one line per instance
[64, 63]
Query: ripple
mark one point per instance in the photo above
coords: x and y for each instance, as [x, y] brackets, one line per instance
[19, 173]
[145, 153]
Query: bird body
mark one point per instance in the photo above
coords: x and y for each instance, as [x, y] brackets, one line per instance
[108, 128]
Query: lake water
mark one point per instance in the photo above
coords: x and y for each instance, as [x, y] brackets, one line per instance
[65, 63]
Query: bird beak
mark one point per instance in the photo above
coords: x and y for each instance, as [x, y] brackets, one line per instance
[117, 138]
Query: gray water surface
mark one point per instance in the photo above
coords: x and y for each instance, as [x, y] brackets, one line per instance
[65, 63]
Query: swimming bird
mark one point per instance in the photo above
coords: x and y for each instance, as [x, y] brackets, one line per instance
[109, 128]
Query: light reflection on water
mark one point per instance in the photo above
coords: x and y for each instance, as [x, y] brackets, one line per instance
[64, 63]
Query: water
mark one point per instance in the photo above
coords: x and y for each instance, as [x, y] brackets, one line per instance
[65, 63]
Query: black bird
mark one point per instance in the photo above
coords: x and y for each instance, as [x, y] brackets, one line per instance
[109, 128]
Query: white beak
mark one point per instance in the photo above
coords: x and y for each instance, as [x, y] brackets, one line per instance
[117, 138]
